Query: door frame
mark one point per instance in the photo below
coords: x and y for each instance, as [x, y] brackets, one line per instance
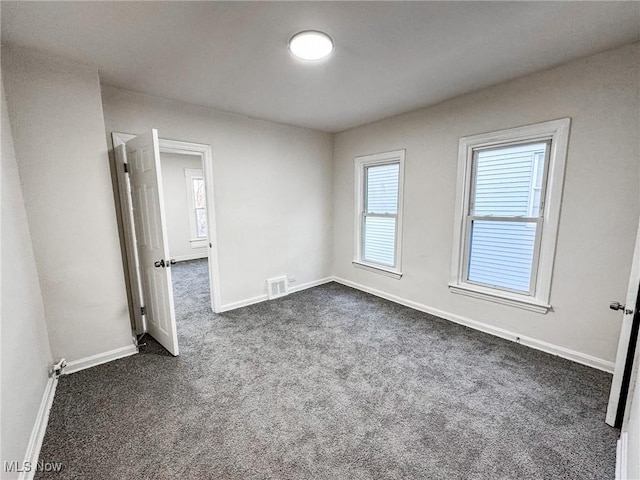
[619, 383]
[205, 153]
[131, 250]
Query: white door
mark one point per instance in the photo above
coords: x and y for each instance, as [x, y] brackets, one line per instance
[622, 372]
[628, 454]
[145, 177]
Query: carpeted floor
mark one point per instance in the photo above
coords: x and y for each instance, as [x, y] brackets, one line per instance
[329, 383]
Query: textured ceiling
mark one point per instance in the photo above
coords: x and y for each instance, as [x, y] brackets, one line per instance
[390, 57]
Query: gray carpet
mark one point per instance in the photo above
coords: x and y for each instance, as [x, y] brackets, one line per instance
[329, 383]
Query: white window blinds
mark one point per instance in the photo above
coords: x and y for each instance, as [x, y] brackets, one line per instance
[380, 214]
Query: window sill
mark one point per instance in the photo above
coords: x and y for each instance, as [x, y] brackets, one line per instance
[198, 243]
[378, 269]
[503, 298]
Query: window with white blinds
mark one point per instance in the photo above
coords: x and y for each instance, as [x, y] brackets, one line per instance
[379, 181]
[507, 214]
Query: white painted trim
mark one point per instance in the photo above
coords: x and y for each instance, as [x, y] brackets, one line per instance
[505, 298]
[130, 242]
[99, 359]
[262, 298]
[243, 303]
[558, 132]
[621, 457]
[190, 256]
[120, 138]
[39, 428]
[360, 163]
[377, 269]
[305, 286]
[563, 352]
[205, 152]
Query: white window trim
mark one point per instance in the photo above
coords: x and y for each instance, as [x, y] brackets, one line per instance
[558, 132]
[396, 156]
[190, 174]
[533, 188]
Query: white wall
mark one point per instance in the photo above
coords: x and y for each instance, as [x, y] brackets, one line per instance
[272, 186]
[600, 205]
[276, 195]
[26, 355]
[175, 205]
[55, 111]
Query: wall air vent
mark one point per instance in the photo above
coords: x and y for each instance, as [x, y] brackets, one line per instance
[277, 287]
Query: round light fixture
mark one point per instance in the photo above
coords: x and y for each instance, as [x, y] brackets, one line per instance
[311, 45]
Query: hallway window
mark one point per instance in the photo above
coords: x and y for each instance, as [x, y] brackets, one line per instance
[197, 205]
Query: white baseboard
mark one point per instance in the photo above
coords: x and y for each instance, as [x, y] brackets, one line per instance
[100, 358]
[243, 303]
[263, 298]
[304, 286]
[621, 457]
[563, 352]
[190, 256]
[557, 350]
[39, 429]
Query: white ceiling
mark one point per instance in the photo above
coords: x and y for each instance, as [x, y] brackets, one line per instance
[390, 57]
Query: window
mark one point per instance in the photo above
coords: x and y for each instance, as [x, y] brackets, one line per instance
[196, 207]
[507, 214]
[199, 205]
[379, 186]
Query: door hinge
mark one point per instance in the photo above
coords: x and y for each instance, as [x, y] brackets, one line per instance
[126, 167]
[143, 310]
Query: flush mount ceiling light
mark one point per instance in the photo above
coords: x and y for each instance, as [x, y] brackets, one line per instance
[311, 45]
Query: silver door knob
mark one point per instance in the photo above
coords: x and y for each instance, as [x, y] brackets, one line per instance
[616, 306]
[619, 306]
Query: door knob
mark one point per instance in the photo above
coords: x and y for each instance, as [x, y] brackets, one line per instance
[159, 263]
[618, 306]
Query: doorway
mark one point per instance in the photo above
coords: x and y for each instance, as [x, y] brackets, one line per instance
[202, 244]
[186, 219]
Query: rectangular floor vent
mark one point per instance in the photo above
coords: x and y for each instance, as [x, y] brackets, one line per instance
[277, 287]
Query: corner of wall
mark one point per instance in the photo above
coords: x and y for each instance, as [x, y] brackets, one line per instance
[26, 351]
[62, 158]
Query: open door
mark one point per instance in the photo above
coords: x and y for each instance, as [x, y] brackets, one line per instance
[145, 179]
[627, 343]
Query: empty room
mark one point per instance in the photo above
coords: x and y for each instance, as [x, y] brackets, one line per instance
[320, 240]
